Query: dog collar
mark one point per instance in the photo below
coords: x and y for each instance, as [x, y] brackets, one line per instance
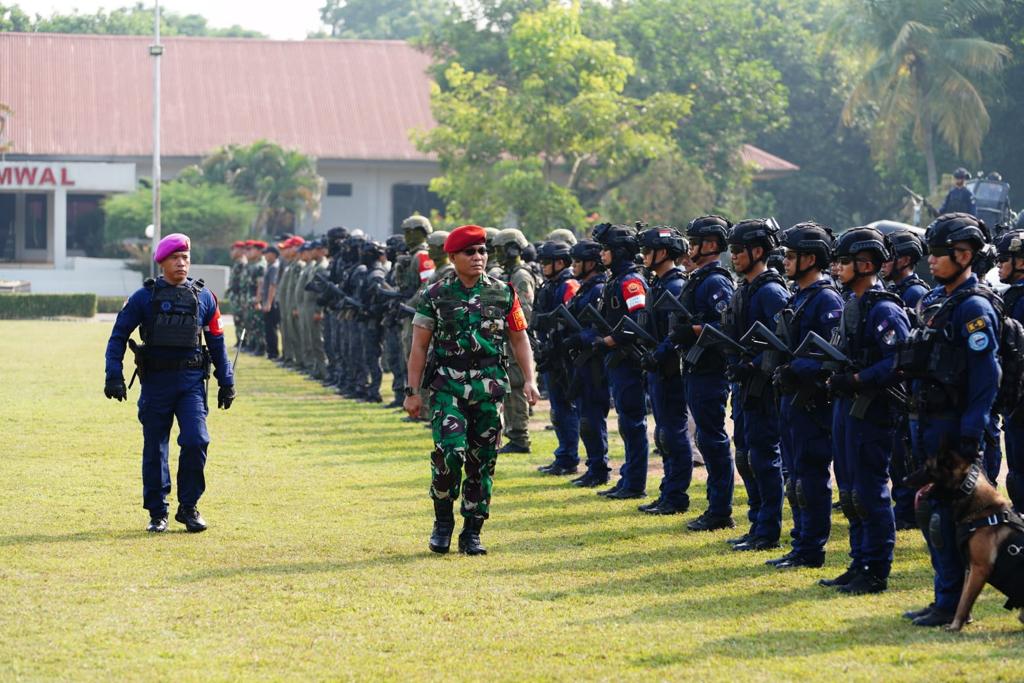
[970, 481]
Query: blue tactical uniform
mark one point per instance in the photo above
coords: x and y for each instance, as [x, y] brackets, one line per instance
[959, 200]
[625, 294]
[591, 385]
[707, 294]
[173, 320]
[667, 392]
[953, 406]
[1013, 425]
[804, 419]
[558, 372]
[759, 301]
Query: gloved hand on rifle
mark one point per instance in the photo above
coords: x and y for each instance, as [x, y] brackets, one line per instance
[740, 372]
[786, 379]
[115, 388]
[683, 335]
[225, 396]
[844, 384]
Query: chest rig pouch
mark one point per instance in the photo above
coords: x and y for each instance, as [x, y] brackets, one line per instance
[688, 296]
[656, 322]
[459, 324]
[175, 322]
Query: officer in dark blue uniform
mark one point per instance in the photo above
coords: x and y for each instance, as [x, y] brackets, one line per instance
[959, 199]
[1010, 250]
[905, 250]
[954, 358]
[624, 294]
[763, 295]
[558, 288]
[174, 313]
[706, 295]
[872, 327]
[590, 385]
[804, 407]
[661, 246]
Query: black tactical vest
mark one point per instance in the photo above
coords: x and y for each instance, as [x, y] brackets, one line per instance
[659, 324]
[735, 319]
[612, 306]
[175, 321]
[688, 297]
[850, 335]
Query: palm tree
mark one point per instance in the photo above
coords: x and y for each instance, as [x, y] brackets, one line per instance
[920, 69]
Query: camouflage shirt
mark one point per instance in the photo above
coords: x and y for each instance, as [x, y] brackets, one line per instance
[470, 327]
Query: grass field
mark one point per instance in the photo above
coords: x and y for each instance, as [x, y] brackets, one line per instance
[315, 565]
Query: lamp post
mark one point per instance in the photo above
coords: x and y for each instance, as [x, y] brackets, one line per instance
[155, 51]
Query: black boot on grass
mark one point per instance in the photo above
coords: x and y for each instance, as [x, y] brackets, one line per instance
[444, 526]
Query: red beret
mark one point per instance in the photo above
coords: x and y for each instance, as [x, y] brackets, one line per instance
[237, 244]
[464, 236]
[250, 243]
[259, 244]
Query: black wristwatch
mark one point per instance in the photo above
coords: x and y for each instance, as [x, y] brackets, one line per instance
[410, 391]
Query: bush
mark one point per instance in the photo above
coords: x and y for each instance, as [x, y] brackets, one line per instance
[13, 306]
[109, 304]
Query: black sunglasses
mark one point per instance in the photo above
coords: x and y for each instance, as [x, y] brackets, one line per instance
[737, 248]
[474, 251]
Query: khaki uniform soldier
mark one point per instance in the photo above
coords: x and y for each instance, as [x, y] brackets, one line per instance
[302, 318]
[463, 323]
[284, 292]
[508, 248]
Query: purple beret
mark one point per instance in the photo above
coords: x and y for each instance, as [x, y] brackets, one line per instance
[172, 243]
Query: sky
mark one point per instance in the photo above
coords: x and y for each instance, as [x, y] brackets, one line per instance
[290, 20]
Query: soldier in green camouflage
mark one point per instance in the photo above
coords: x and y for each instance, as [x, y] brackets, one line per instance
[238, 263]
[463, 322]
[508, 248]
[253, 316]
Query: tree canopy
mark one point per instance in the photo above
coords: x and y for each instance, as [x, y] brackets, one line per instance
[134, 20]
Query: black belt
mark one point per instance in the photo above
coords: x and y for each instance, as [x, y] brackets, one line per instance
[160, 364]
[464, 364]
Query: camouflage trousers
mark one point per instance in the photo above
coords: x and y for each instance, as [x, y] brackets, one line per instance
[465, 439]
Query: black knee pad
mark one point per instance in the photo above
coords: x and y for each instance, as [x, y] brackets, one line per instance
[801, 497]
[859, 508]
[743, 464]
[846, 505]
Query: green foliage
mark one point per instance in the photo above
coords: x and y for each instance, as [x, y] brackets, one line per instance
[381, 19]
[134, 20]
[922, 73]
[550, 137]
[25, 306]
[210, 214]
[281, 183]
[109, 304]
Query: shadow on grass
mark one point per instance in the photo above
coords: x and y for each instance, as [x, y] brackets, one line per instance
[73, 537]
[378, 562]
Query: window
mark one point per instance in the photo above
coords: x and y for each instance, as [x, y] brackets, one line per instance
[339, 189]
[36, 227]
[85, 224]
[407, 199]
[7, 227]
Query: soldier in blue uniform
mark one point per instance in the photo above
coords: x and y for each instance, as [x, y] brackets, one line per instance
[954, 358]
[589, 381]
[759, 299]
[905, 250]
[1010, 250]
[804, 407]
[872, 327]
[624, 294]
[661, 246]
[558, 288]
[959, 199]
[706, 295]
[174, 313]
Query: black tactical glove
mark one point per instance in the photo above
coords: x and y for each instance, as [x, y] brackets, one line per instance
[225, 396]
[844, 384]
[115, 388]
[740, 372]
[650, 362]
[786, 379]
[683, 335]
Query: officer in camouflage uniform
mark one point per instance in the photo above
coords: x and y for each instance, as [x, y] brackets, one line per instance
[508, 248]
[253, 318]
[467, 316]
[238, 263]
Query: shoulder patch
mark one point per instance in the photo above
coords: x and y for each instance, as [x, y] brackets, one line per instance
[978, 341]
[975, 325]
[721, 306]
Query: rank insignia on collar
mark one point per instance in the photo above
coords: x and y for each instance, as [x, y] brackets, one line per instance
[975, 325]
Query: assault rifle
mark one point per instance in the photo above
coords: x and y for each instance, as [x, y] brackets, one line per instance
[776, 353]
[630, 350]
[816, 348]
[711, 337]
[670, 302]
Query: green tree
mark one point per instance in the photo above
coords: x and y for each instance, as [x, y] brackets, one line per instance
[134, 20]
[282, 183]
[553, 135]
[381, 19]
[922, 72]
[211, 215]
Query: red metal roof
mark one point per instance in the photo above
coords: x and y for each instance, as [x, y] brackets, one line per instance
[766, 165]
[91, 96]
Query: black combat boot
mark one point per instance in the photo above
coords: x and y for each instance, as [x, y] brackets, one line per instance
[469, 539]
[444, 526]
[190, 517]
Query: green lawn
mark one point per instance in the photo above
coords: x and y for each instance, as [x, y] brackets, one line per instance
[315, 565]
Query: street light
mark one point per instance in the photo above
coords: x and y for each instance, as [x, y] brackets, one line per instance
[155, 51]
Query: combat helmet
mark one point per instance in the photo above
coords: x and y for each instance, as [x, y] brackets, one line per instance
[586, 250]
[511, 243]
[435, 244]
[858, 240]
[562, 235]
[905, 243]
[1010, 246]
[417, 222]
[709, 227]
[809, 237]
[553, 251]
[663, 237]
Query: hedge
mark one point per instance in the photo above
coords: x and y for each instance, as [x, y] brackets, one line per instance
[109, 304]
[14, 306]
